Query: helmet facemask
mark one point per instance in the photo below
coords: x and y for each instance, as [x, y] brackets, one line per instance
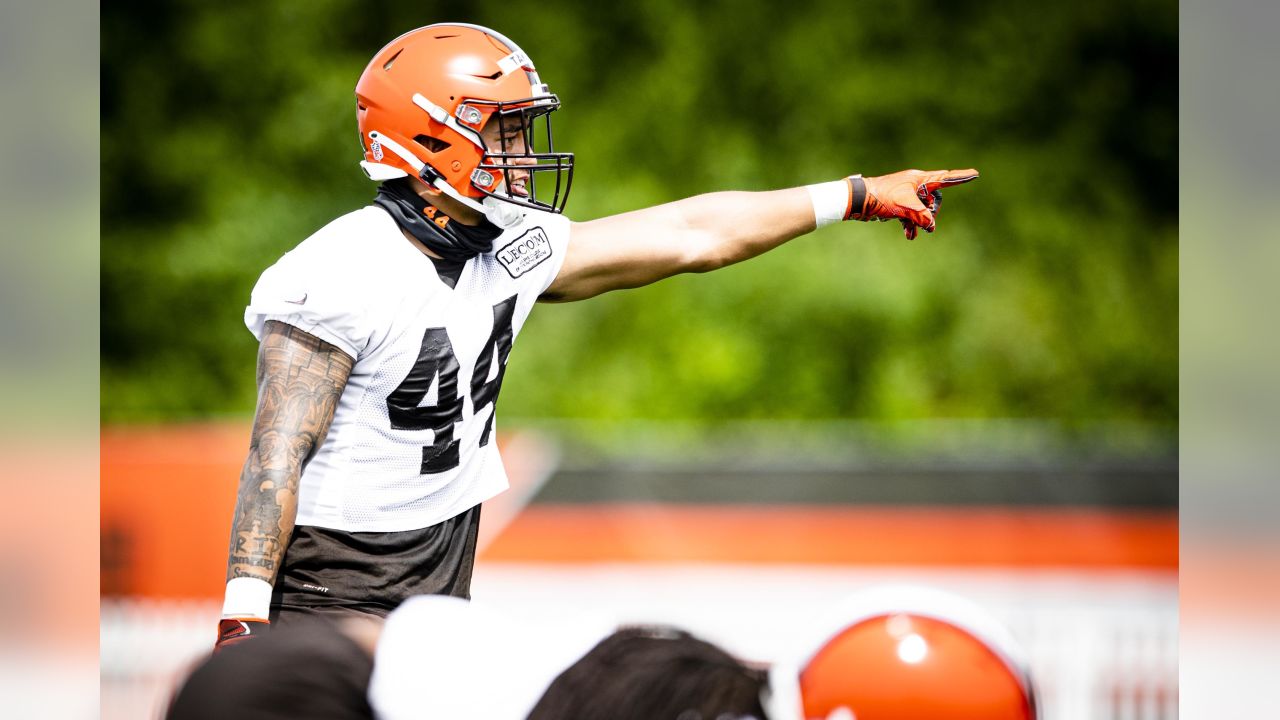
[531, 118]
[423, 105]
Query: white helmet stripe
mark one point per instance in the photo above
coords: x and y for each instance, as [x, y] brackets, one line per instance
[514, 48]
[511, 46]
[442, 116]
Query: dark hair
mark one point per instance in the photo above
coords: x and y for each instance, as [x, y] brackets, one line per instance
[308, 670]
[654, 673]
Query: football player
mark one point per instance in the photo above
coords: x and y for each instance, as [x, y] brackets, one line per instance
[384, 336]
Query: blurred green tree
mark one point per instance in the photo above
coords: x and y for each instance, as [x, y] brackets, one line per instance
[1049, 291]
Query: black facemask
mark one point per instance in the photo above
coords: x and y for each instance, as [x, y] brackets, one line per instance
[450, 240]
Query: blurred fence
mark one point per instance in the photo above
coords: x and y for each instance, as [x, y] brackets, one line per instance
[1071, 539]
[1101, 646]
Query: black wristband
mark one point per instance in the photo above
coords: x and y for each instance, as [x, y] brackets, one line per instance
[859, 197]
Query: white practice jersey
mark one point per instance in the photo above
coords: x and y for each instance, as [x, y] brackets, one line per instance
[413, 440]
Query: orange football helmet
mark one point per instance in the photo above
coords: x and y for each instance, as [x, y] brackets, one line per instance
[423, 100]
[906, 654]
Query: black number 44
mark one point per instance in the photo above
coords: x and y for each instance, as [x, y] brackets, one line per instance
[436, 359]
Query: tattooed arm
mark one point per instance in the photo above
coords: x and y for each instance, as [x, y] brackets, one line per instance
[300, 379]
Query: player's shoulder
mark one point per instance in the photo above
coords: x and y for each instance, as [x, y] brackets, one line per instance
[350, 257]
[359, 245]
[360, 236]
[539, 239]
[337, 284]
[551, 223]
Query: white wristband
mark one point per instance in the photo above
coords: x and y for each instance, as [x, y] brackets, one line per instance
[247, 598]
[830, 201]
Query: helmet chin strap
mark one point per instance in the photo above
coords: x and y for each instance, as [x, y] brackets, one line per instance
[502, 214]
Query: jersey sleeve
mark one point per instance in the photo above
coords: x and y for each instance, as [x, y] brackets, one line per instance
[557, 227]
[534, 256]
[303, 291]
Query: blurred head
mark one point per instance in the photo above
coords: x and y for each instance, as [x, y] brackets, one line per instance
[906, 654]
[310, 670]
[648, 673]
[461, 108]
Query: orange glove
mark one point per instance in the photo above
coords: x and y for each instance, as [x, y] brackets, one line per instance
[232, 631]
[910, 196]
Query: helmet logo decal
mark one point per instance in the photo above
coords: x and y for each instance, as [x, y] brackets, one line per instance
[514, 61]
[375, 147]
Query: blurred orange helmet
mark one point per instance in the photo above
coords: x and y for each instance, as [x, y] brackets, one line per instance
[423, 100]
[906, 654]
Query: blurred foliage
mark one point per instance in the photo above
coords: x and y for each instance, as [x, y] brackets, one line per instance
[1050, 289]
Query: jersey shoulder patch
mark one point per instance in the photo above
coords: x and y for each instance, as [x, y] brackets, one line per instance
[525, 252]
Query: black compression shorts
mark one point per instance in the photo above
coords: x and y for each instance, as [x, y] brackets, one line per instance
[328, 570]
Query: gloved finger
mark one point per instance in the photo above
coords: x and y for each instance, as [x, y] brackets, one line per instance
[926, 198]
[908, 228]
[931, 200]
[946, 178]
[916, 212]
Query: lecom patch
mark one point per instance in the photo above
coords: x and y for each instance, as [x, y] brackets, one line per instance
[525, 252]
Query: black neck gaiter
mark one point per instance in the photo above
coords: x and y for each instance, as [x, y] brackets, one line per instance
[450, 240]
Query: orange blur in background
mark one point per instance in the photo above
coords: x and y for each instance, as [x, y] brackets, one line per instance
[168, 494]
